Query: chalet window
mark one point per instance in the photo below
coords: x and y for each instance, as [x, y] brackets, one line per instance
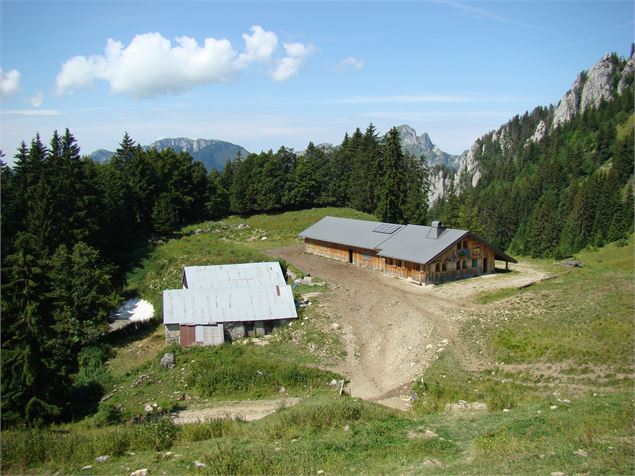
[474, 263]
[437, 268]
[464, 264]
[366, 257]
[458, 265]
[398, 262]
[444, 266]
[458, 246]
[465, 243]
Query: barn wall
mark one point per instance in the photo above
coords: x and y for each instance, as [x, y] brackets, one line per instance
[476, 250]
[360, 256]
[406, 269]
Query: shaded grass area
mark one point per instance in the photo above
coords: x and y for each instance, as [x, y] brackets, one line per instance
[347, 436]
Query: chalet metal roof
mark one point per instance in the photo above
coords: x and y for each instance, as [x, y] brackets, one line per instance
[349, 232]
[233, 275]
[415, 243]
[211, 306]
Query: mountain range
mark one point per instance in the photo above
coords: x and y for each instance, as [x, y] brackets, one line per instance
[213, 154]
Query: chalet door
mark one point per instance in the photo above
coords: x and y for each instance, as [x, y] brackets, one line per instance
[485, 265]
[350, 256]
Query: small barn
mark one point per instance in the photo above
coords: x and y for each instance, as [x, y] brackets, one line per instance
[425, 254]
[227, 302]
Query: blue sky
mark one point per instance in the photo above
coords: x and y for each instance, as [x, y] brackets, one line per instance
[266, 74]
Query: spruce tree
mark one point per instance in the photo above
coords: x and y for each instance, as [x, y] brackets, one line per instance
[392, 194]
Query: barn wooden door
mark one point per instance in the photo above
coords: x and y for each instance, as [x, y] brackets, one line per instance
[188, 335]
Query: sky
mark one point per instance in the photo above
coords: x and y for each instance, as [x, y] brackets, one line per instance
[270, 74]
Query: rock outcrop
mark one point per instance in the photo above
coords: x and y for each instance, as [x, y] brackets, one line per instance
[592, 87]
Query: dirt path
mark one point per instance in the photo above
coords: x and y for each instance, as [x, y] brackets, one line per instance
[393, 329]
[247, 410]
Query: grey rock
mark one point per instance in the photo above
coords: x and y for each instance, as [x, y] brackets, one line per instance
[626, 79]
[140, 472]
[590, 88]
[539, 133]
[102, 459]
[168, 361]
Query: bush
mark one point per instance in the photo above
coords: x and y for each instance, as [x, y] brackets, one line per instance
[157, 434]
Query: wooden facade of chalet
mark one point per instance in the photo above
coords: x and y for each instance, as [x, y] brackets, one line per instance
[422, 254]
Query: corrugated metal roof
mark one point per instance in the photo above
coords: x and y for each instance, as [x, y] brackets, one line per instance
[415, 243]
[210, 306]
[350, 232]
[234, 275]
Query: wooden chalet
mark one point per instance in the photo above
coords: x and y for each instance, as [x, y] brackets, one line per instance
[425, 254]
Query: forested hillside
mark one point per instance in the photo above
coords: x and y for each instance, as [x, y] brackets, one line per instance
[546, 189]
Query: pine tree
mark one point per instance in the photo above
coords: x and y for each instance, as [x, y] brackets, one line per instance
[392, 194]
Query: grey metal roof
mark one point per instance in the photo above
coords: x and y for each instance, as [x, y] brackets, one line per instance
[415, 243]
[210, 306]
[350, 232]
[234, 275]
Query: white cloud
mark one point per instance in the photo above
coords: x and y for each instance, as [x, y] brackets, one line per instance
[356, 63]
[9, 82]
[260, 46]
[151, 65]
[36, 100]
[296, 57]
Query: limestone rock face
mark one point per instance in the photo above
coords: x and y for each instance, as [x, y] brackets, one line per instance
[440, 182]
[590, 89]
[597, 87]
[468, 163]
[626, 80]
[539, 133]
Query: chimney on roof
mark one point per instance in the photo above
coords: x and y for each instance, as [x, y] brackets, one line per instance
[436, 229]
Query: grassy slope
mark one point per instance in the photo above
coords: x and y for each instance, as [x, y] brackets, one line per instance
[569, 338]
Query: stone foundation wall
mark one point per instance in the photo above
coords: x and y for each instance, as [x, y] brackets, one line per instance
[172, 334]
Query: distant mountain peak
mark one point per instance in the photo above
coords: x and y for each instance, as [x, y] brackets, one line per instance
[422, 146]
[212, 153]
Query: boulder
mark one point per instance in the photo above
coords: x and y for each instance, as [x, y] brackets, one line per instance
[168, 361]
[140, 472]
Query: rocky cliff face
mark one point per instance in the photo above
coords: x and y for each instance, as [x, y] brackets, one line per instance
[608, 78]
[591, 88]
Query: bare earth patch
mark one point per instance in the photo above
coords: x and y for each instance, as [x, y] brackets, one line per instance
[394, 329]
[247, 410]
